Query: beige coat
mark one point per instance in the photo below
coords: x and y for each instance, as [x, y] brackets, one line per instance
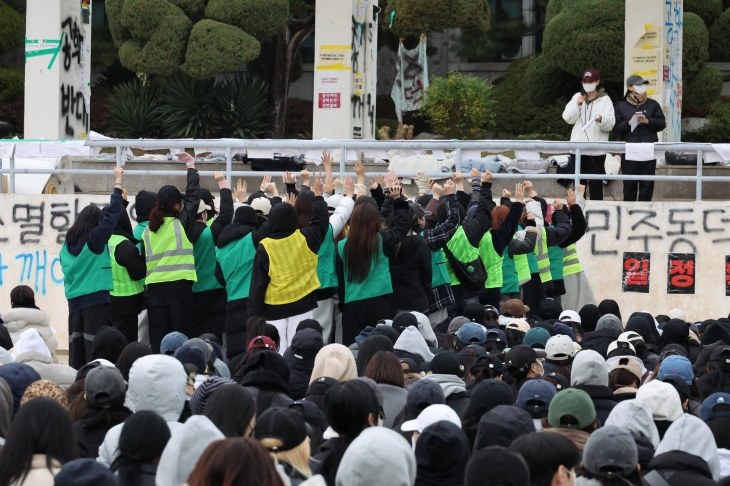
[39, 474]
[21, 319]
[63, 375]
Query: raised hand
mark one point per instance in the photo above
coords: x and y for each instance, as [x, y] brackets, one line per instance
[305, 177]
[186, 158]
[118, 173]
[390, 178]
[558, 204]
[475, 172]
[360, 172]
[378, 180]
[519, 193]
[581, 190]
[240, 194]
[327, 160]
[437, 189]
[572, 198]
[349, 186]
[291, 198]
[289, 178]
[329, 184]
[265, 182]
[529, 189]
[449, 187]
[338, 183]
[506, 193]
[318, 185]
[395, 192]
[487, 177]
[219, 176]
[124, 194]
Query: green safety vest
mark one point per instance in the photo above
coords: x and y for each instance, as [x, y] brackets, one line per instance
[377, 282]
[169, 253]
[439, 274]
[209, 222]
[463, 251]
[204, 251]
[522, 265]
[543, 258]
[492, 262]
[510, 280]
[556, 262]
[137, 233]
[326, 271]
[236, 261]
[85, 273]
[124, 286]
[571, 264]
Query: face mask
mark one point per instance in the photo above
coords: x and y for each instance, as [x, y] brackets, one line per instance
[589, 88]
[641, 89]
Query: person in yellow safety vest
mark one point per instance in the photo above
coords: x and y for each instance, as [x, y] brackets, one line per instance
[87, 273]
[495, 242]
[170, 258]
[128, 272]
[515, 267]
[209, 296]
[284, 279]
[578, 291]
[541, 279]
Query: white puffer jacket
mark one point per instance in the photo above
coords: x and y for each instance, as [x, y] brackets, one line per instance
[579, 116]
[21, 319]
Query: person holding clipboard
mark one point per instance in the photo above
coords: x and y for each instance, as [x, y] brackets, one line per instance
[591, 114]
[638, 120]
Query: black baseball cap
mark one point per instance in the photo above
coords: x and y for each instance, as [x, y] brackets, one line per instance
[475, 313]
[488, 361]
[311, 412]
[563, 383]
[520, 358]
[281, 423]
[418, 211]
[679, 384]
[169, 194]
[404, 320]
[424, 393]
[447, 363]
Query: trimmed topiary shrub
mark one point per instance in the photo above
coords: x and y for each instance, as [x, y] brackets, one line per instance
[703, 89]
[130, 55]
[143, 17]
[12, 84]
[194, 9]
[256, 17]
[415, 17]
[120, 34]
[720, 38]
[695, 40]
[474, 15]
[708, 10]
[165, 51]
[215, 47]
[588, 34]
[12, 28]
[545, 82]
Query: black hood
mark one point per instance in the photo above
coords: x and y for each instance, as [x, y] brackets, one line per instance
[646, 451]
[233, 232]
[143, 204]
[442, 452]
[501, 425]
[124, 226]
[304, 348]
[283, 220]
[108, 344]
[680, 461]
[714, 333]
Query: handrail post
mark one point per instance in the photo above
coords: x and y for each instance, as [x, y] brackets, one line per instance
[577, 171]
[698, 194]
[457, 161]
[229, 166]
[343, 158]
[11, 182]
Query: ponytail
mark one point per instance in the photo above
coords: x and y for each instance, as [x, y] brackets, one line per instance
[157, 215]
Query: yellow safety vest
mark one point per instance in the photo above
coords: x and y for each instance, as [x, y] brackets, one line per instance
[292, 269]
[571, 264]
[169, 253]
[543, 258]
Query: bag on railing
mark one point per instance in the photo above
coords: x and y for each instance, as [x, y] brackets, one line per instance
[280, 163]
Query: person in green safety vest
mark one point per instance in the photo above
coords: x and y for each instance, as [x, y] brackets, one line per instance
[515, 267]
[87, 273]
[143, 204]
[342, 206]
[363, 273]
[539, 260]
[578, 291]
[235, 252]
[209, 296]
[494, 243]
[128, 272]
[170, 259]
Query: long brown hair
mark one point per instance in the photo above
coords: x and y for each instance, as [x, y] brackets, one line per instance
[363, 240]
[235, 462]
[384, 367]
[303, 207]
[158, 213]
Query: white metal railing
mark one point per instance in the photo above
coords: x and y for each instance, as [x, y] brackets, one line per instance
[233, 146]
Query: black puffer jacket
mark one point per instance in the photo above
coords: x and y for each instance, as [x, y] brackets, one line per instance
[603, 400]
[599, 341]
[642, 133]
[300, 358]
[679, 469]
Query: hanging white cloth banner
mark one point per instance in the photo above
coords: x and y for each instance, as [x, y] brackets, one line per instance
[411, 78]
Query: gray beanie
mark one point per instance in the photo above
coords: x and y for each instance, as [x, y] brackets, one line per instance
[609, 321]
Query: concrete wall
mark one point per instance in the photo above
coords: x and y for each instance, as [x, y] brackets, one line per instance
[32, 229]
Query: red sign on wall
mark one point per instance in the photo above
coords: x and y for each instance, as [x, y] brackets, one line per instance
[681, 273]
[636, 272]
[329, 100]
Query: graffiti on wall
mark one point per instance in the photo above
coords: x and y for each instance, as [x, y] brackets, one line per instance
[673, 68]
[363, 42]
[75, 91]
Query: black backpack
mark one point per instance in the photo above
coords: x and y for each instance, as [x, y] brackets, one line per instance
[472, 275]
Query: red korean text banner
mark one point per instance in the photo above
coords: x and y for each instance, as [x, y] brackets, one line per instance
[636, 272]
[681, 273]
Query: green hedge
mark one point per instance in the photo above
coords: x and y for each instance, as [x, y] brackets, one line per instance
[703, 90]
[12, 84]
[414, 17]
[720, 38]
[708, 10]
[120, 34]
[165, 51]
[215, 48]
[516, 114]
[588, 34]
[545, 82]
[130, 55]
[554, 7]
[256, 17]
[12, 28]
[473, 15]
[143, 17]
[194, 9]
[695, 41]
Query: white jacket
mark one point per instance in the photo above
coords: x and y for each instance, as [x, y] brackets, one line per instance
[579, 116]
[21, 319]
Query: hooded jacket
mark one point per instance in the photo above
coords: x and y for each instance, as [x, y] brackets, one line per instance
[108, 344]
[426, 329]
[454, 390]
[377, 456]
[679, 468]
[184, 448]
[442, 452]
[336, 361]
[283, 223]
[394, 399]
[636, 417]
[589, 374]
[579, 116]
[94, 425]
[599, 340]
[642, 133]
[300, 358]
[691, 435]
[31, 350]
[267, 371]
[21, 319]
[412, 341]
[156, 383]
[410, 273]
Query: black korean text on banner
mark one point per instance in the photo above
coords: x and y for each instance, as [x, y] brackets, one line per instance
[636, 272]
[727, 276]
[681, 273]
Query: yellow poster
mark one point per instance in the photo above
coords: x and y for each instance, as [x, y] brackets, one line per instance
[644, 61]
[649, 37]
[334, 58]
